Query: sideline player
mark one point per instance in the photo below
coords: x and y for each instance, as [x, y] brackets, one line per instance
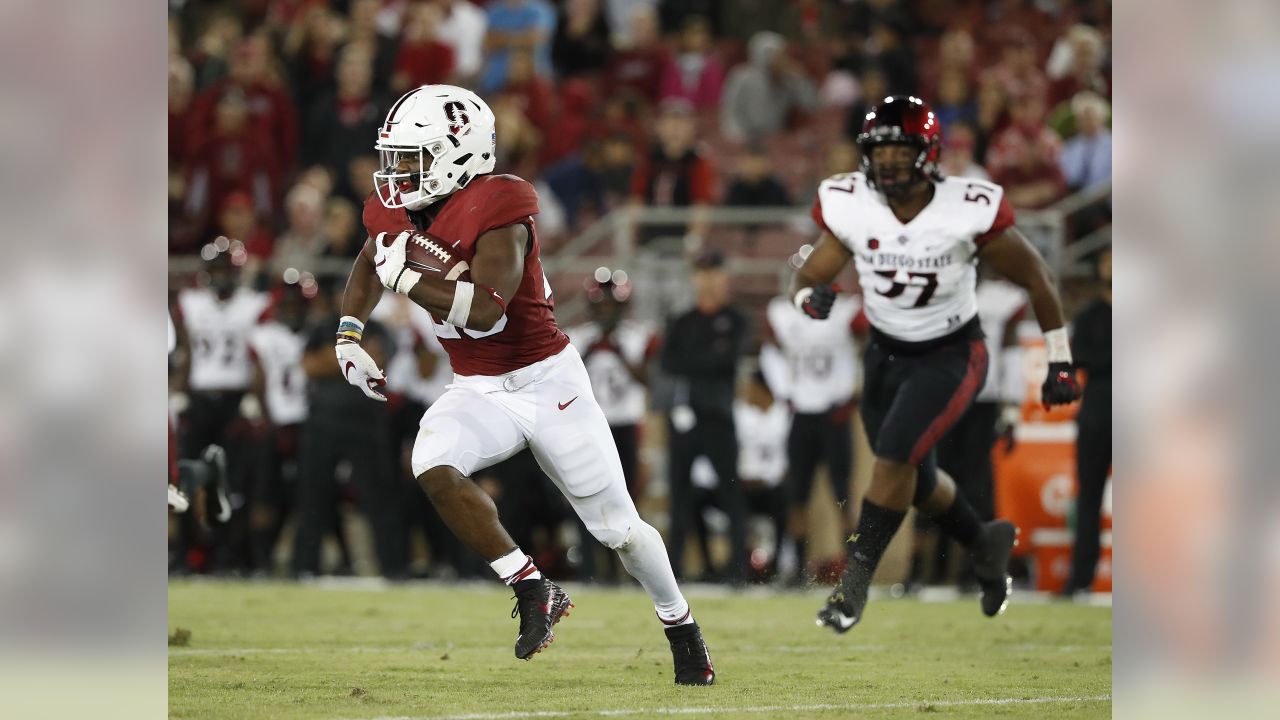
[517, 381]
[915, 237]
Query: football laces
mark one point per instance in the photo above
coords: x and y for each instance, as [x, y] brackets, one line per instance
[431, 247]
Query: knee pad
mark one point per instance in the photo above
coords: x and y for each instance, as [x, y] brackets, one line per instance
[615, 539]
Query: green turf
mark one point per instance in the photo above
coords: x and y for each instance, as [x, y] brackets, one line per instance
[430, 651]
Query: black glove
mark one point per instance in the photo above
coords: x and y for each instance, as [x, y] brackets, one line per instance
[818, 304]
[1060, 387]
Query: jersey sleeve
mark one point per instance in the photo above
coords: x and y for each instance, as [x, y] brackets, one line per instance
[1003, 220]
[380, 219]
[815, 212]
[506, 200]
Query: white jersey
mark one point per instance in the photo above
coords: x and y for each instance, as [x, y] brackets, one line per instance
[762, 441]
[999, 303]
[279, 352]
[618, 394]
[917, 279]
[218, 332]
[821, 368]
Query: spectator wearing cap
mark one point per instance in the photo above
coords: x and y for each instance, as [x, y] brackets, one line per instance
[1086, 156]
[271, 116]
[637, 63]
[762, 93]
[516, 25]
[581, 44]
[676, 173]
[700, 352]
[695, 74]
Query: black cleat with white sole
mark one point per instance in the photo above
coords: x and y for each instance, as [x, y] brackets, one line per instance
[540, 604]
[689, 651]
[845, 605]
[991, 565]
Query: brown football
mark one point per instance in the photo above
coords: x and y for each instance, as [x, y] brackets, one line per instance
[432, 256]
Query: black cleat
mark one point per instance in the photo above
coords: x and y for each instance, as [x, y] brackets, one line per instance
[539, 605]
[991, 565]
[845, 605]
[689, 651]
[216, 459]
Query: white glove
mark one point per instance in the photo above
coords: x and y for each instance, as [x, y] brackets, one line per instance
[389, 260]
[360, 370]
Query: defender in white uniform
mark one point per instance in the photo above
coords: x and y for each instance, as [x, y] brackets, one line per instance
[915, 238]
[818, 376]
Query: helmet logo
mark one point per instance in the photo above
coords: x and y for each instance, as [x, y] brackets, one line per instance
[457, 114]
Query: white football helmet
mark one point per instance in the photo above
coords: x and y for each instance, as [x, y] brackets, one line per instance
[449, 130]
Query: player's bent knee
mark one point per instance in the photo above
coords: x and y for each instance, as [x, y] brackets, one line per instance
[439, 480]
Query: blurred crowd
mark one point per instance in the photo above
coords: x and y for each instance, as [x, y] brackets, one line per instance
[273, 104]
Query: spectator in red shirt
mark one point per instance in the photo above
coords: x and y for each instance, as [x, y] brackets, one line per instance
[271, 114]
[695, 74]
[422, 60]
[1018, 72]
[675, 173]
[234, 159]
[1024, 157]
[237, 220]
[639, 66]
[532, 92]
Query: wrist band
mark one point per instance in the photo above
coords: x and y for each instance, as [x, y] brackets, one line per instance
[350, 329]
[463, 293]
[801, 296]
[406, 280]
[1057, 345]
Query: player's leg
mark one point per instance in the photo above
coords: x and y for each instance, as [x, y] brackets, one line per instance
[837, 447]
[1093, 461]
[720, 442]
[682, 450]
[802, 463]
[317, 494]
[576, 450]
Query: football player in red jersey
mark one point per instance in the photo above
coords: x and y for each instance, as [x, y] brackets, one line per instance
[517, 381]
[915, 238]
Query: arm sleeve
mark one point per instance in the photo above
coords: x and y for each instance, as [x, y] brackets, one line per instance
[509, 202]
[1003, 220]
[815, 212]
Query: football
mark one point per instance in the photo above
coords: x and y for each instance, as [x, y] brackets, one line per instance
[432, 256]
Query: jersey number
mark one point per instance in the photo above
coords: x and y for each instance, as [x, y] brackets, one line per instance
[975, 192]
[447, 331]
[897, 288]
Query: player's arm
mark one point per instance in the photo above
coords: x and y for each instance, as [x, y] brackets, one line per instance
[1012, 255]
[364, 290]
[496, 271]
[811, 288]
[181, 353]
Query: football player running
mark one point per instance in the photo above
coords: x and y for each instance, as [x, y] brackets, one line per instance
[517, 381]
[915, 238]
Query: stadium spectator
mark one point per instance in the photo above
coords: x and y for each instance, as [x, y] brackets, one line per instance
[342, 120]
[1086, 156]
[532, 93]
[956, 52]
[700, 351]
[637, 63]
[356, 181]
[676, 173]
[874, 88]
[890, 51]
[516, 25]
[342, 227]
[521, 139]
[1024, 157]
[992, 114]
[310, 48]
[762, 93]
[843, 156]
[954, 100]
[463, 28]
[695, 74]
[581, 44]
[303, 240]
[272, 120]
[211, 52]
[363, 32]
[957, 157]
[755, 184]
[573, 120]
[1075, 65]
[342, 425]
[231, 158]
[423, 59]
[578, 180]
[237, 220]
[1018, 73]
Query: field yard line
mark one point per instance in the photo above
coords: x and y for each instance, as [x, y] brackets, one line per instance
[182, 652]
[516, 715]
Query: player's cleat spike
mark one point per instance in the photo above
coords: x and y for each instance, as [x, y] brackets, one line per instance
[845, 604]
[991, 565]
[689, 651]
[539, 605]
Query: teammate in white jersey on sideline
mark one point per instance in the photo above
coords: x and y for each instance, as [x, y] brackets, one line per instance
[915, 238]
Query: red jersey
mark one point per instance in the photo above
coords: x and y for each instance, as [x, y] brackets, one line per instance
[527, 332]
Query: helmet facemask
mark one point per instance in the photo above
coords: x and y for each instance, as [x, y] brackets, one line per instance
[897, 179]
[413, 184]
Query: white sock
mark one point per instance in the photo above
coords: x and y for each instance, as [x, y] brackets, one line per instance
[645, 559]
[678, 616]
[514, 567]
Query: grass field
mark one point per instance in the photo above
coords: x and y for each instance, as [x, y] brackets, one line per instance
[435, 651]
